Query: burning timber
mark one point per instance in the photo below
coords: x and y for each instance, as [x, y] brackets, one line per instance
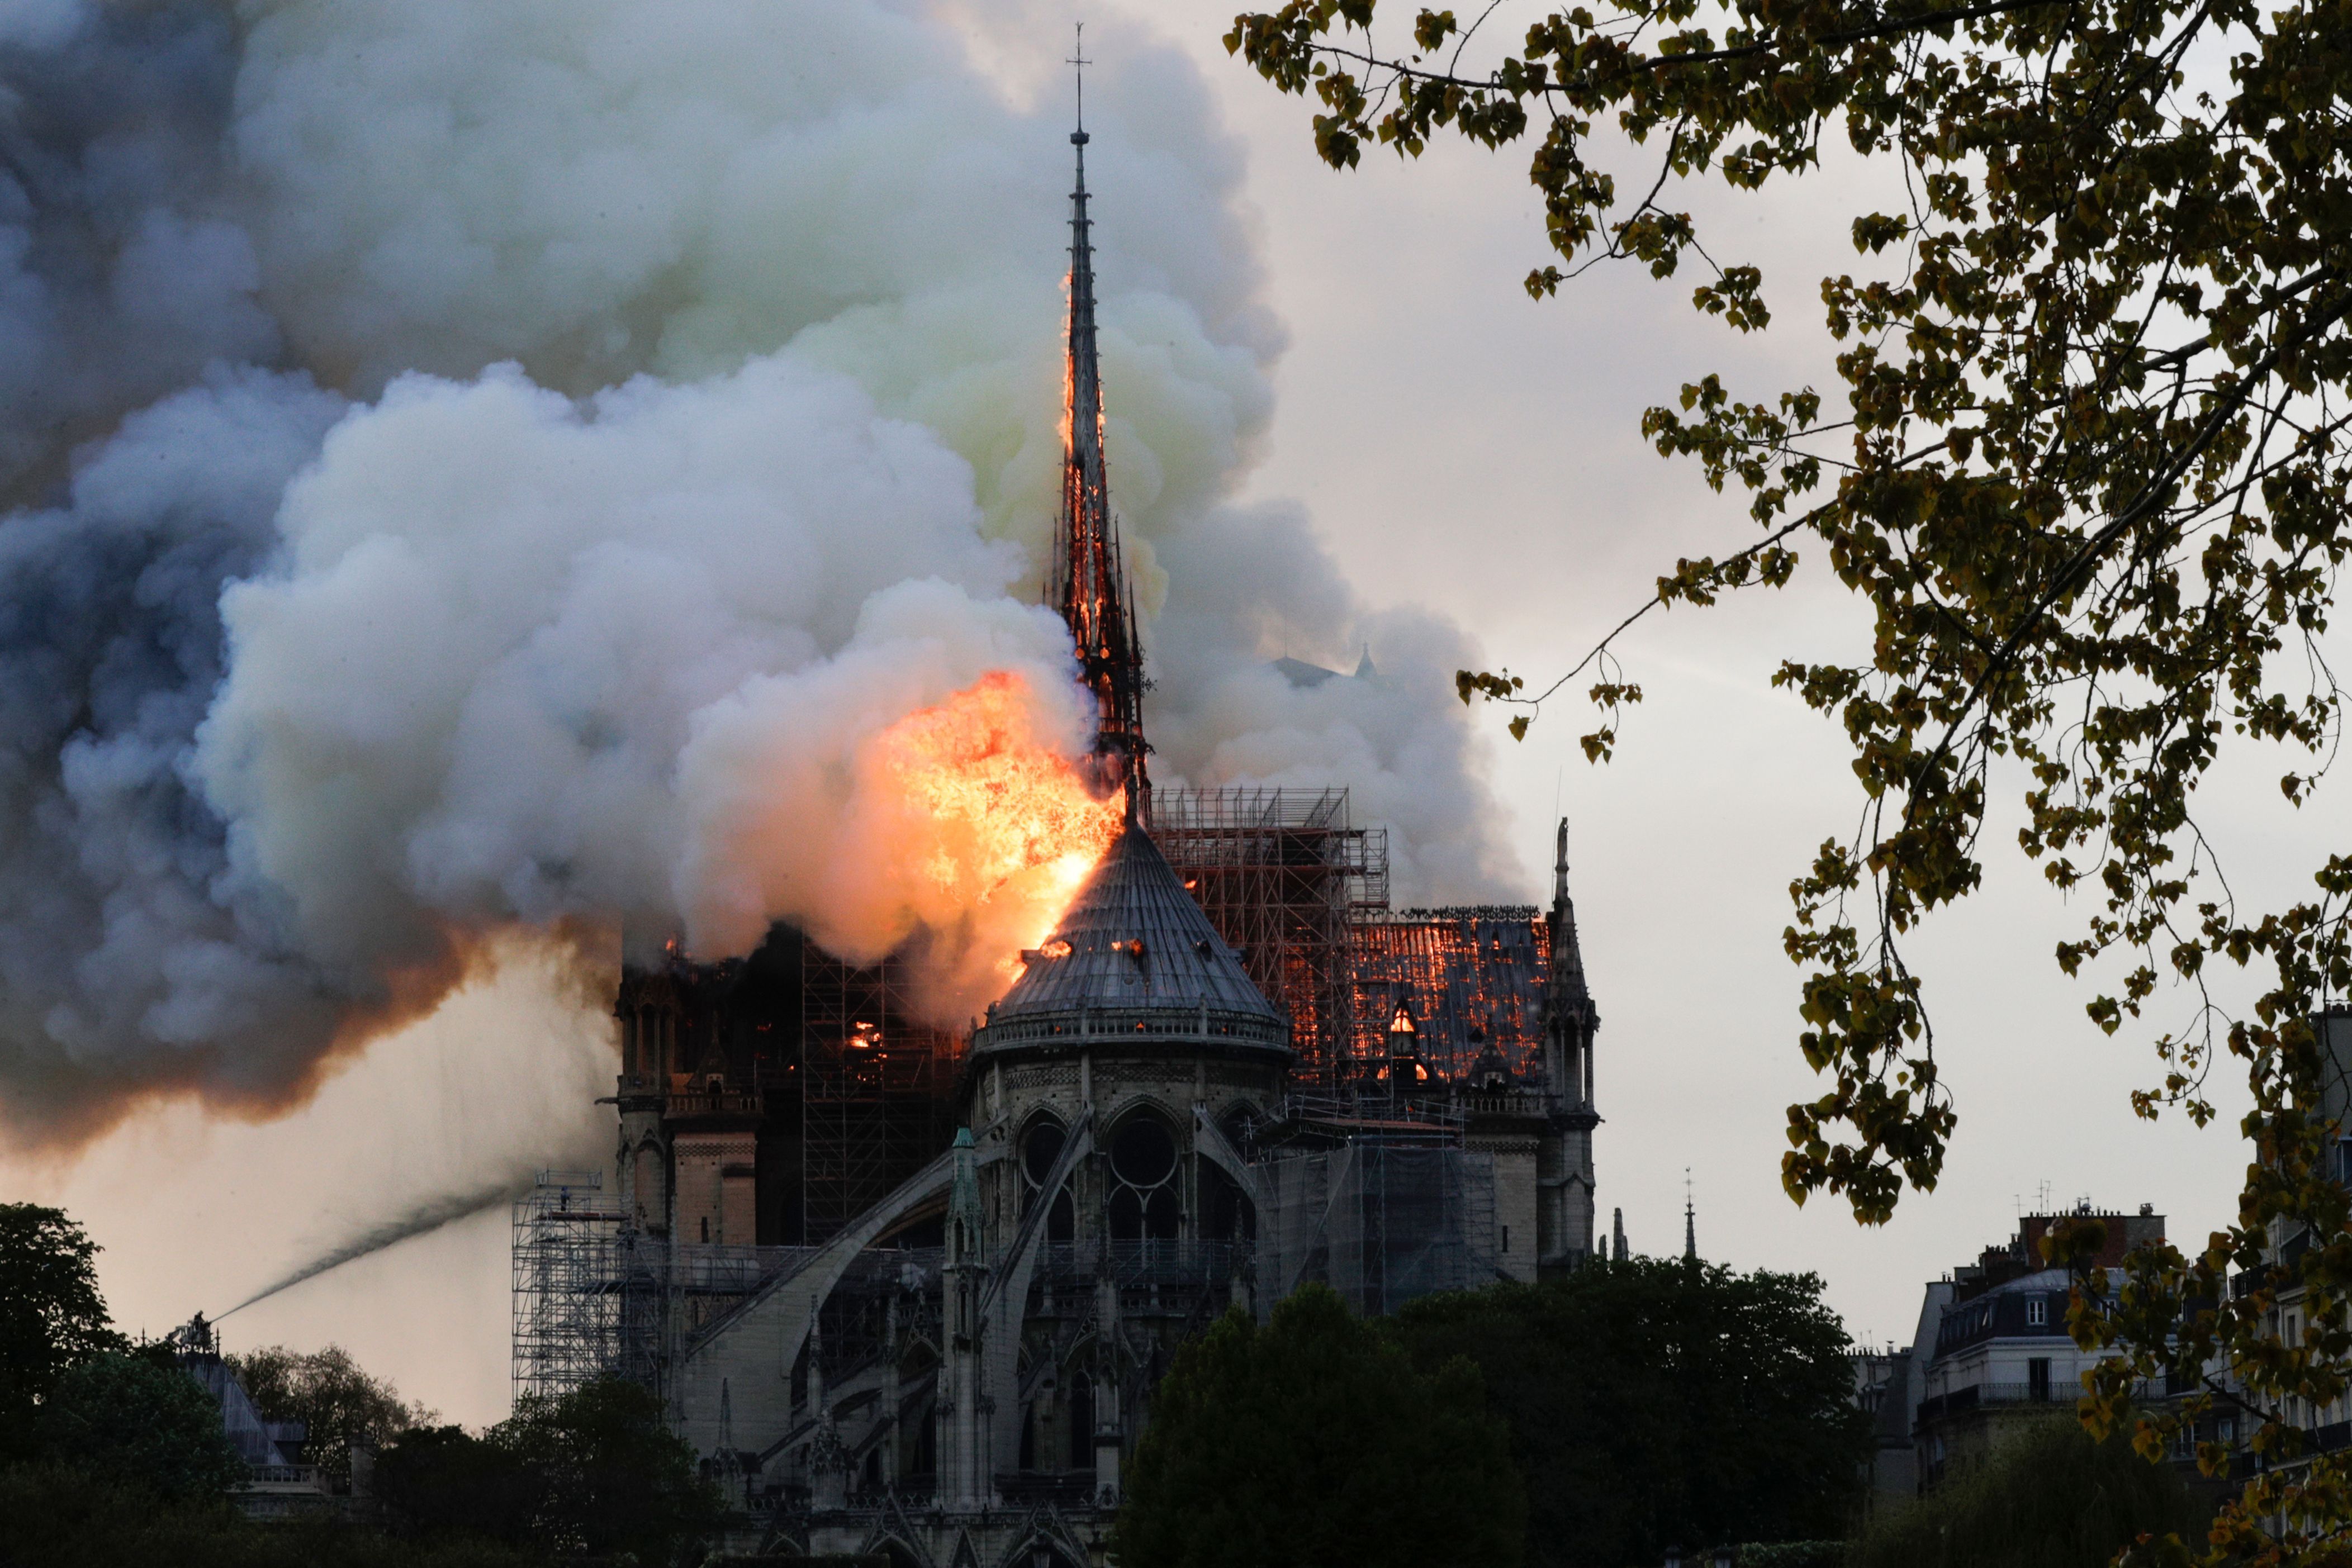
[907, 1290]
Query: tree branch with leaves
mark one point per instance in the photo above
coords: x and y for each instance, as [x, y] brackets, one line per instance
[2085, 466]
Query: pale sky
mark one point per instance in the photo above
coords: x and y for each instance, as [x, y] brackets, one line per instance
[1463, 448]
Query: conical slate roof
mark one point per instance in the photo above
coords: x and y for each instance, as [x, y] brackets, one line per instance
[1133, 942]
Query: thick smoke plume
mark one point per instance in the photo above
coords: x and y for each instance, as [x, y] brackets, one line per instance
[478, 468]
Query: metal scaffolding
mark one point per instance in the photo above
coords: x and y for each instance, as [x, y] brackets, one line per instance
[567, 1277]
[1381, 1220]
[875, 1091]
[1283, 875]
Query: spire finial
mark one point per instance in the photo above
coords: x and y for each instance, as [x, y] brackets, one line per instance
[1690, 1220]
[1079, 59]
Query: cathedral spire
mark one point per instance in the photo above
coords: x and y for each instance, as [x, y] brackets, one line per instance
[1568, 954]
[1089, 585]
[1570, 1018]
[1690, 1221]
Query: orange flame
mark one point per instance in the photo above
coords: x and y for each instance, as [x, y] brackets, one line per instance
[1069, 371]
[1008, 825]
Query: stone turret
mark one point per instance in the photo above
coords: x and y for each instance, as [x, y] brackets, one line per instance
[967, 1477]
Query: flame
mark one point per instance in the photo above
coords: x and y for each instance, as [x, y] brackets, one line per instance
[1006, 824]
[1069, 371]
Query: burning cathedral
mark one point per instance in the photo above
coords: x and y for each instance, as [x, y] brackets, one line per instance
[909, 1290]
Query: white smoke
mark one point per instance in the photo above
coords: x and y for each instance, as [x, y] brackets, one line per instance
[708, 370]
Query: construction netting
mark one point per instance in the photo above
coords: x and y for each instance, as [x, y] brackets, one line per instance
[1379, 1222]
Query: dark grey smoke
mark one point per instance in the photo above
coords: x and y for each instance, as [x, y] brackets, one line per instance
[418, 1221]
[123, 273]
[144, 447]
[122, 932]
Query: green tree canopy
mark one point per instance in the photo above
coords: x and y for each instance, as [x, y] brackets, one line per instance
[613, 1477]
[443, 1482]
[2050, 1496]
[1315, 1443]
[138, 1416]
[595, 1474]
[1659, 1402]
[55, 1518]
[52, 1316]
[338, 1403]
[2083, 462]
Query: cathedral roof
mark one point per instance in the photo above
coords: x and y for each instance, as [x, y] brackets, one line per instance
[1133, 941]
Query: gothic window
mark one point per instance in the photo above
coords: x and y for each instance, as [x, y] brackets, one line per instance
[1228, 1214]
[1143, 1201]
[1040, 1148]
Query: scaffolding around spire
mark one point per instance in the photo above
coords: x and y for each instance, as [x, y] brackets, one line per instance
[1089, 584]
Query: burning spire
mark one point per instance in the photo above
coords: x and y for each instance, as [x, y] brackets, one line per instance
[1089, 584]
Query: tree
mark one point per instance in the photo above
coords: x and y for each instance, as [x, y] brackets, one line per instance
[55, 1518]
[2050, 1496]
[338, 1403]
[595, 1473]
[1658, 1402]
[612, 1476]
[1313, 1442]
[52, 1317]
[2086, 467]
[441, 1482]
[138, 1416]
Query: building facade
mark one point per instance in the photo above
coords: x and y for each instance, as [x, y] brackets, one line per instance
[1991, 1349]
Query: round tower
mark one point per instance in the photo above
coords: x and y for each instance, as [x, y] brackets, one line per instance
[1129, 1055]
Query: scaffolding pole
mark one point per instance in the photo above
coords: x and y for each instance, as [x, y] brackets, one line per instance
[876, 1099]
[1282, 874]
[567, 1280]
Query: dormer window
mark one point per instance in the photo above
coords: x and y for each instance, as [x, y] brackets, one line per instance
[2037, 1311]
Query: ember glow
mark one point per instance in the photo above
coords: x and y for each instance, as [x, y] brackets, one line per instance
[1005, 825]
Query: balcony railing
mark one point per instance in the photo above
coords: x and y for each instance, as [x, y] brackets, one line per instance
[1169, 1264]
[713, 1103]
[1125, 1026]
[1977, 1395]
[283, 1478]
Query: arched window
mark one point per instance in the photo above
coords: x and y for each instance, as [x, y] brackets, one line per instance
[1041, 1145]
[1227, 1214]
[1144, 1198]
